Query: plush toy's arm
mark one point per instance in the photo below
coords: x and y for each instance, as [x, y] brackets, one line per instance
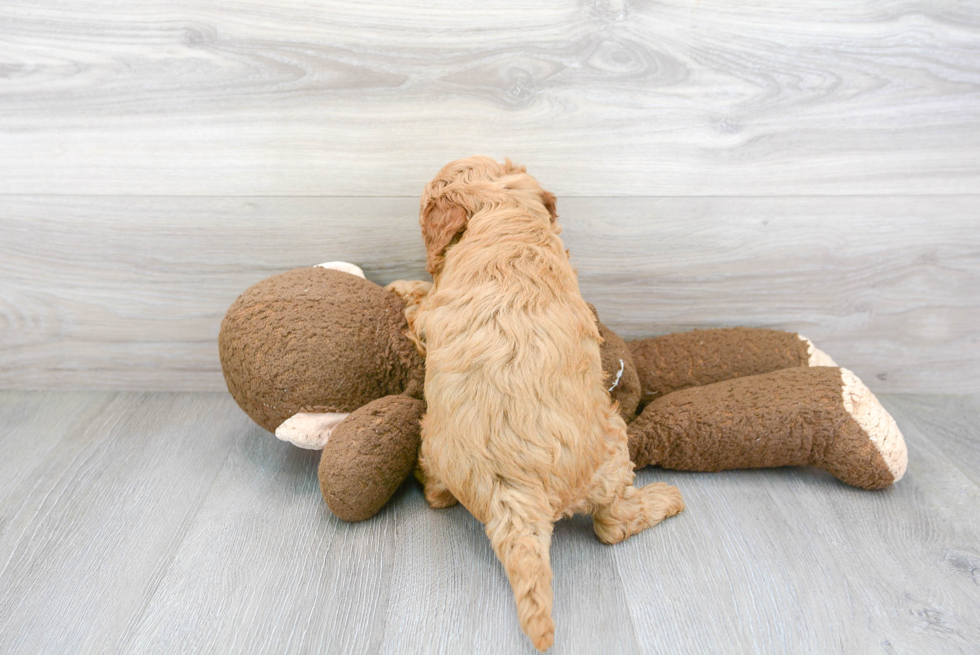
[690, 359]
[369, 455]
[820, 416]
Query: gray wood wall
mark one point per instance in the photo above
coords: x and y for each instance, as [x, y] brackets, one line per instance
[806, 166]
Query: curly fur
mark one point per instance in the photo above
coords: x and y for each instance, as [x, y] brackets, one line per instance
[520, 427]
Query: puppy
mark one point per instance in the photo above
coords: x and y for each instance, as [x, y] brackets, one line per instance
[519, 427]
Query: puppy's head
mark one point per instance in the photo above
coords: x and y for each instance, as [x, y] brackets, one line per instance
[466, 186]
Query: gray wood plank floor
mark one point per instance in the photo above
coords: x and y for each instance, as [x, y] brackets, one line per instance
[160, 522]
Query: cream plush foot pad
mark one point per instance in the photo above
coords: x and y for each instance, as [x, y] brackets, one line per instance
[876, 422]
[310, 431]
[816, 357]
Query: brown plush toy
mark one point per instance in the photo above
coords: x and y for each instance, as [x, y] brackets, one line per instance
[320, 357]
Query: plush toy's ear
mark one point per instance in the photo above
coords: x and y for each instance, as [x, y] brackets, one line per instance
[550, 203]
[442, 222]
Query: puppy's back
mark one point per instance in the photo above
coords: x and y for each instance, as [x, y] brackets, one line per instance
[513, 362]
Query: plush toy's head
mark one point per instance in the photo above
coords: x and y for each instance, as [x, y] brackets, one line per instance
[316, 340]
[320, 340]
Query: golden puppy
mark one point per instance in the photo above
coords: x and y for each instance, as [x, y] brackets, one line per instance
[519, 427]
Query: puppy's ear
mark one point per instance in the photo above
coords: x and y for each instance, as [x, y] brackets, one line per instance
[442, 221]
[550, 203]
[512, 168]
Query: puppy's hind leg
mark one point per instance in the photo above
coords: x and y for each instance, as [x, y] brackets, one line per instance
[521, 538]
[619, 509]
[436, 493]
[635, 509]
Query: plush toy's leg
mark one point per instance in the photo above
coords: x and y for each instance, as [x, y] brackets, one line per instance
[369, 454]
[310, 431]
[819, 416]
[691, 359]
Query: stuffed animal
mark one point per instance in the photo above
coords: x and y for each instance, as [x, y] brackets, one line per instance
[321, 357]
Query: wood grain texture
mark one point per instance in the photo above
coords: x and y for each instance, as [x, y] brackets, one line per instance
[890, 287]
[612, 97]
[266, 567]
[803, 166]
[793, 561]
[449, 593]
[169, 523]
[88, 535]
[957, 418]
[128, 293]
[32, 425]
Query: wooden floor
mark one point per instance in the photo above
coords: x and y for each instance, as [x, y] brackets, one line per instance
[167, 522]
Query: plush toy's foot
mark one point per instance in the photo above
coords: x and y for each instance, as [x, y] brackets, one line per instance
[815, 356]
[635, 510]
[876, 425]
[802, 416]
[310, 431]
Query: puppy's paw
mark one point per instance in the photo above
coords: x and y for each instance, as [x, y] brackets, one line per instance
[635, 510]
[412, 292]
[438, 496]
[662, 500]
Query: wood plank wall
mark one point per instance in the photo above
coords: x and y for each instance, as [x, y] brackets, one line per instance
[806, 166]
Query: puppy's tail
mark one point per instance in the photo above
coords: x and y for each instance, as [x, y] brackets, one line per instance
[521, 537]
